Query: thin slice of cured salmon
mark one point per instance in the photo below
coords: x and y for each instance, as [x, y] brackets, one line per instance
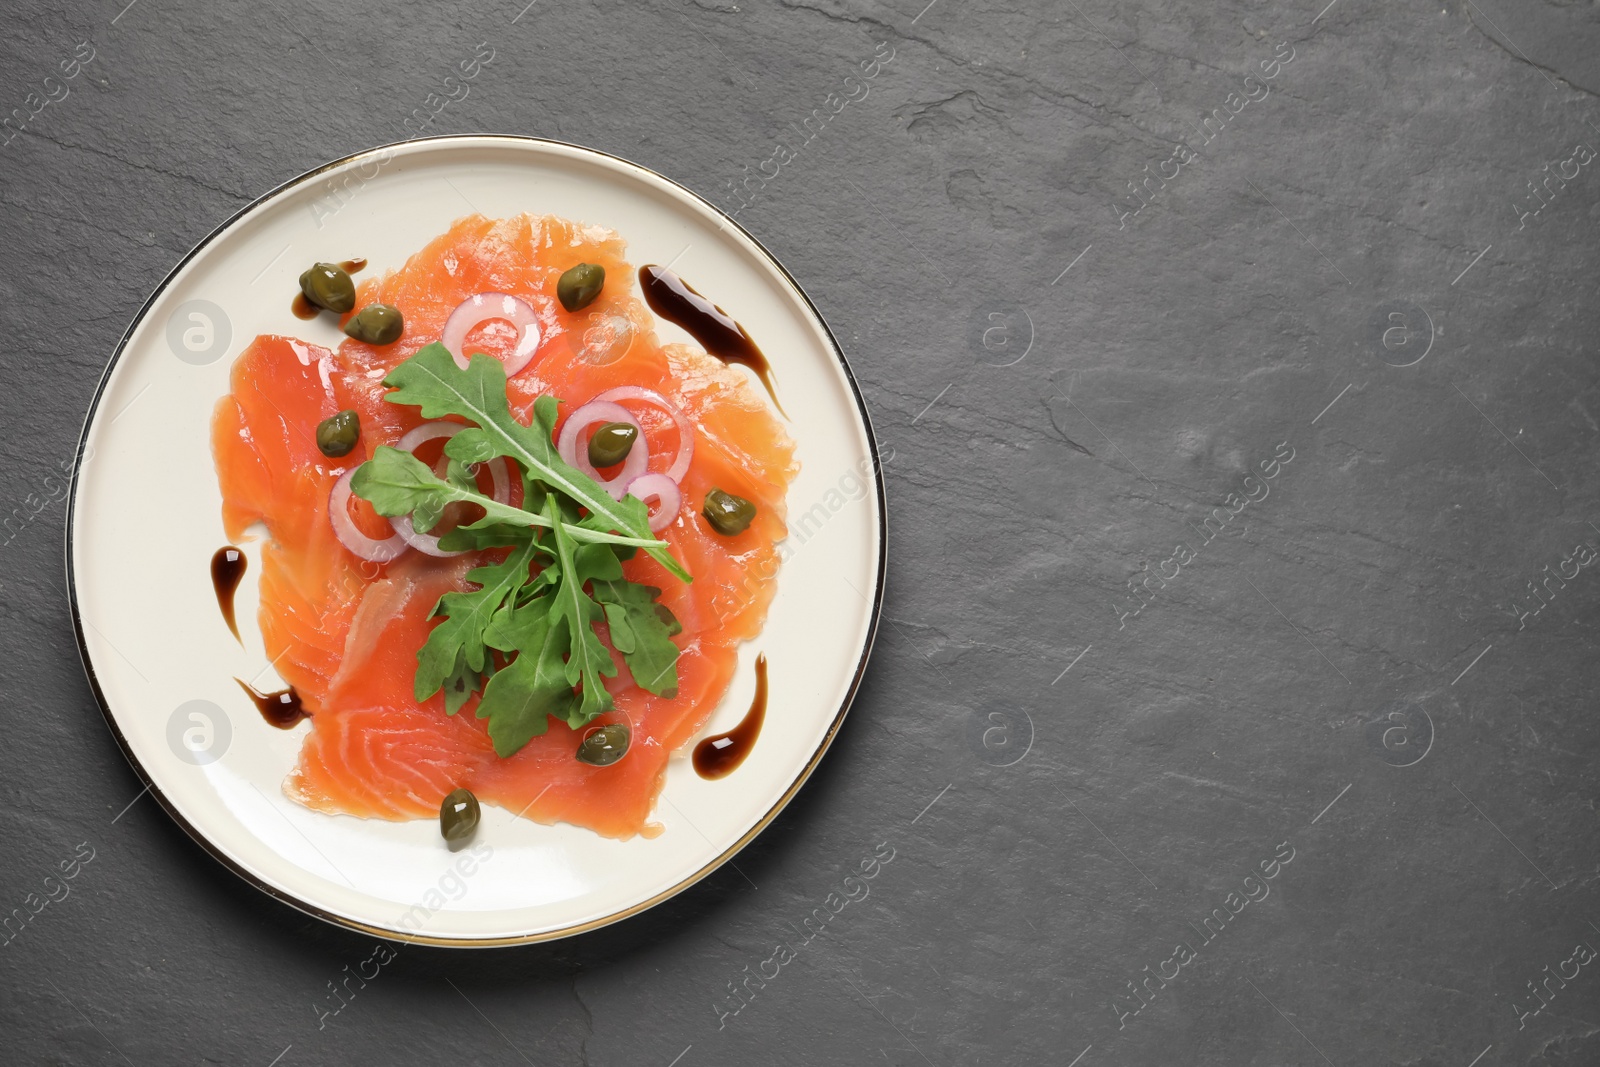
[345, 632]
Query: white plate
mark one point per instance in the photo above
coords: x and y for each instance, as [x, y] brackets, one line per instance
[145, 519]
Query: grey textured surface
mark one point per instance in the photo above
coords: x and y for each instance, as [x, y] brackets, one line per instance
[1068, 788]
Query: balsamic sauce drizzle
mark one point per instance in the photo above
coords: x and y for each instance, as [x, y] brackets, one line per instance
[227, 568]
[720, 756]
[281, 708]
[676, 301]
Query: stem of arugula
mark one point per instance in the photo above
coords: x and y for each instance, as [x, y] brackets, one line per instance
[517, 517]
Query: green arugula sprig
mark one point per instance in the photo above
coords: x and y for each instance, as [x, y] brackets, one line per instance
[525, 637]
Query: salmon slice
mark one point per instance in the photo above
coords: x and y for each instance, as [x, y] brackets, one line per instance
[345, 632]
[390, 761]
[373, 750]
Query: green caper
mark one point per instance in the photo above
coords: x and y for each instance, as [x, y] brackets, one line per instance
[604, 746]
[376, 324]
[611, 444]
[458, 815]
[337, 435]
[728, 514]
[328, 285]
[578, 287]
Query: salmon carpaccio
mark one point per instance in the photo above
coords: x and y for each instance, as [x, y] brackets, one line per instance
[345, 632]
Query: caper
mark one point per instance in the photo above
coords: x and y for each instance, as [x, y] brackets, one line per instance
[458, 815]
[337, 435]
[728, 514]
[328, 285]
[578, 287]
[604, 746]
[611, 444]
[376, 324]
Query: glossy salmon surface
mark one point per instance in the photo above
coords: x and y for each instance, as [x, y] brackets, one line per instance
[345, 632]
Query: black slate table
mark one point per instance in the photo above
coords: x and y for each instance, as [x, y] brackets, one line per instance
[1235, 366]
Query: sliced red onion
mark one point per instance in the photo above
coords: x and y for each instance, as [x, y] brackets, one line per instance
[680, 463]
[427, 544]
[665, 492]
[476, 310]
[428, 431]
[344, 527]
[577, 454]
[414, 439]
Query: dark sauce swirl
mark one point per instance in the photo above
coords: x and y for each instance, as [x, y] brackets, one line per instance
[281, 708]
[227, 568]
[720, 756]
[676, 301]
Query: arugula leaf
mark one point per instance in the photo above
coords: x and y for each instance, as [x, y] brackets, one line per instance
[432, 381]
[457, 644]
[641, 630]
[430, 511]
[462, 683]
[485, 533]
[587, 660]
[398, 483]
[459, 475]
[520, 699]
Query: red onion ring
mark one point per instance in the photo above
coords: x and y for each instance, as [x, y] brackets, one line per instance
[427, 544]
[403, 526]
[578, 456]
[680, 464]
[475, 310]
[344, 527]
[666, 493]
